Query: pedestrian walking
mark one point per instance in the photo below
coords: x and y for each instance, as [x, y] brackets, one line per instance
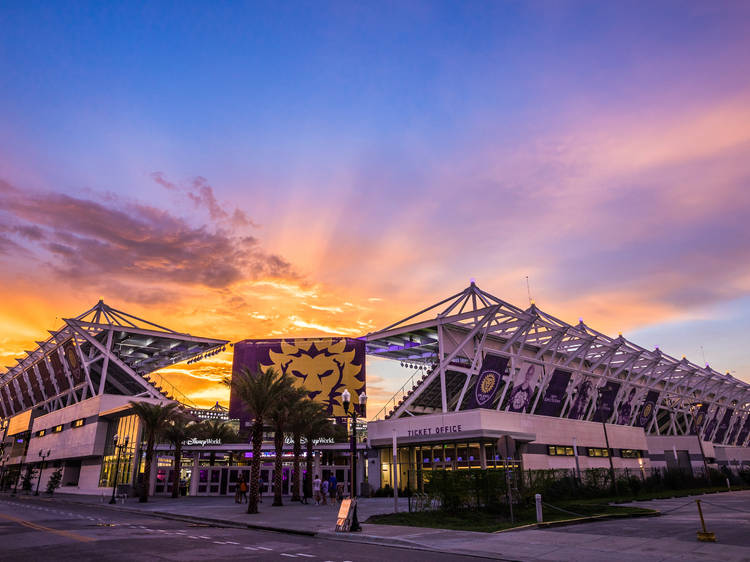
[238, 489]
[316, 489]
[306, 489]
[324, 492]
[243, 490]
[332, 484]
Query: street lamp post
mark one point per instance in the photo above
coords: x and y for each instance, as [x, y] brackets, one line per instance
[41, 468]
[2, 465]
[15, 484]
[346, 398]
[606, 441]
[119, 448]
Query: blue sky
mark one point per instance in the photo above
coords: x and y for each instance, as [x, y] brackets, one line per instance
[269, 169]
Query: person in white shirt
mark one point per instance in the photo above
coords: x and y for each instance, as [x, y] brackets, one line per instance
[316, 489]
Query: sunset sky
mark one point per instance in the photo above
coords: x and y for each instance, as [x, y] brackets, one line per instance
[270, 169]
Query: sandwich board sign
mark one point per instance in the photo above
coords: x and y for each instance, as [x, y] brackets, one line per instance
[347, 512]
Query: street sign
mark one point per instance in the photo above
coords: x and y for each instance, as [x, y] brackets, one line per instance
[346, 512]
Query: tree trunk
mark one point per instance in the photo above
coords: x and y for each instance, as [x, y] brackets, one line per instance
[278, 441]
[295, 470]
[177, 470]
[252, 502]
[146, 484]
[308, 467]
[212, 458]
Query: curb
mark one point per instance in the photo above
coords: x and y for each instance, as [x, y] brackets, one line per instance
[192, 519]
[401, 543]
[576, 520]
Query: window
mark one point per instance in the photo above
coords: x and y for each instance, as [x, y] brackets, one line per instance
[78, 423]
[598, 452]
[41, 433]
[630, 453]
[57, 429]
[560, 450]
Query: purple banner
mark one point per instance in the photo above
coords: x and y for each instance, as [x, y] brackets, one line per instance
[63, 383]
[324, 367]
[606, 401]
[625, 409]
[71, 355]
[581, 400]
[735, 428]
[744, 432]
[6, 403]
[723, 426]
[35, 389]
[711, 426]
[49, 388]
[490, 377]
[555, 394]
[523, 389]
[647, 410]
[698, 419]
[9, 399]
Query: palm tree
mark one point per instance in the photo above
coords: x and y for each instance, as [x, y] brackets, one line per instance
[318, 426]
[261, 392]
[216, 429]
[298, 424]
[180, 428]
[279, 420]
[154, 418]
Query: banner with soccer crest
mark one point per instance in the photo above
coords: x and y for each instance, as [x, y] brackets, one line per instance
[324, 367]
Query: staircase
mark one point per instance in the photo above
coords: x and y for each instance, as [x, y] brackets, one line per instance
[401, 395]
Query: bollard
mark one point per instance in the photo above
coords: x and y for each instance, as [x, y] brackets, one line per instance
[729, 488]
[538, 499]
[704, 536]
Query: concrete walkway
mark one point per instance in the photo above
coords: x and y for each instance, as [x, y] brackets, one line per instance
[669, 537]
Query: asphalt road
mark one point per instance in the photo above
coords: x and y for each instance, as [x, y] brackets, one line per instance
[40, 529]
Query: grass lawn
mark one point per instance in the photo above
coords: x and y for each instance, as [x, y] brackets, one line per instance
[490, 522]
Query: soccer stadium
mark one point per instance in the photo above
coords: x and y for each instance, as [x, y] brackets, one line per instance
[490, 385]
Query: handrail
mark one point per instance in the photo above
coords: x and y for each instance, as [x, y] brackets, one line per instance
[400, 394]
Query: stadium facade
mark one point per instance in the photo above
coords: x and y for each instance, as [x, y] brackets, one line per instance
[496, 384]
[492, 385]
[68, 397]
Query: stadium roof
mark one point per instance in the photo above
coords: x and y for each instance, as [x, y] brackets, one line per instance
[444, 343]
[103, 350]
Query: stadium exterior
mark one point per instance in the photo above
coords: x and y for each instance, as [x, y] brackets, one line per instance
[493, 385]
[69, 397]
[497, 384]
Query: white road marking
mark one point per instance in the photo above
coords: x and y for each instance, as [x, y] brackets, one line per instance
[232, 542]
[192, 537]
[201, 536]
[249, 548]
[264, 548]
[305, 555]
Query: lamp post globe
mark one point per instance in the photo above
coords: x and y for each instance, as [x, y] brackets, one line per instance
[119, 448]
[43, 456]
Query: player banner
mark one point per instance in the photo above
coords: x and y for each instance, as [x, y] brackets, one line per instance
[700, 417]
[523, 387]
[71, 356]
[324, 367]
[606, 401]
[744, 432]
[723, 426]
[488, 381]
[647, 410]
[582, 394]
[555, 394]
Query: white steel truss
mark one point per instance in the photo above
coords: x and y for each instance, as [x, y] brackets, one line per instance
[447, 341]
[102, 351]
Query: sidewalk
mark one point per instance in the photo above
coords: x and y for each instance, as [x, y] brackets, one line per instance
[669, 537]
